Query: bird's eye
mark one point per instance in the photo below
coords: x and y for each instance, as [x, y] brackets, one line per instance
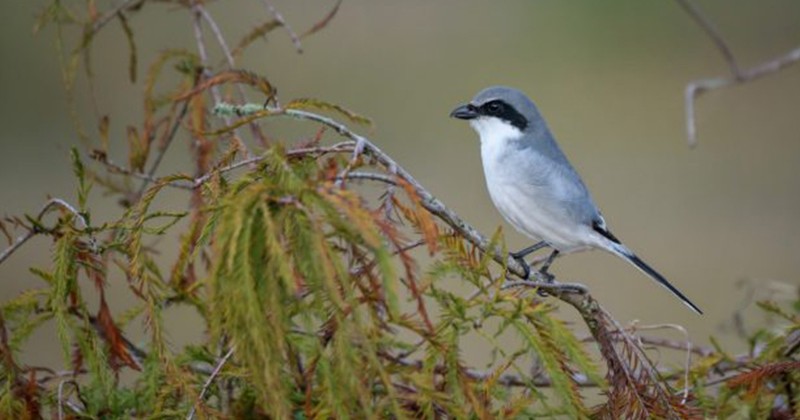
[494, 107]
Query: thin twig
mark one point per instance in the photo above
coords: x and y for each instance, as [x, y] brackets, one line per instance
[198, 10]
[210, 379]
[506, 379]
[697, 87]
[147, 178]
[163, 150]
[341, 147]
[108, 16]
[53, 202]
[279, 18]
[212, 24]
[17, 243]
[687, 362]
[61, 401]
[667, 344]
[231, 61]
[712, 33]
[336, 148]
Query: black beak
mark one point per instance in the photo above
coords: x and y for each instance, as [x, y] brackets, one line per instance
[465, 112]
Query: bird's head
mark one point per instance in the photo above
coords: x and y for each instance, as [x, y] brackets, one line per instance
[499, 111]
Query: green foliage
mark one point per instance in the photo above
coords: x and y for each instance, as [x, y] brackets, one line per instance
[316, 295]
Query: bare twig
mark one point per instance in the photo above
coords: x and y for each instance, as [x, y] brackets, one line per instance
[687, 362]
[279, 18]
[163, 150]
[62, 402]
[103, 20]
[198, 11]
[336, 148]
[210, 379]
[510, 380]
[712, 33]
[212, 24]
[17, 243]
[146, 178]
[53, 202]
[342, 147]
[668, 344]
[695, 88]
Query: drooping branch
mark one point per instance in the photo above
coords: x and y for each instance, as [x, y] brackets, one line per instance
[739, 76]
[712, 33]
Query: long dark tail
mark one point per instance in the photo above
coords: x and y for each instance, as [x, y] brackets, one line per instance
[630, 257]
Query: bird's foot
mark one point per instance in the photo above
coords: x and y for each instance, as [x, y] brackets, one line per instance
[547, 278]
[546, 266]
[524, 265]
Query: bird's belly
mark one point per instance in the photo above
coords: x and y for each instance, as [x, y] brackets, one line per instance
[536, 218]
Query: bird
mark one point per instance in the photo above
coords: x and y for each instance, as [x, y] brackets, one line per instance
[534, 186]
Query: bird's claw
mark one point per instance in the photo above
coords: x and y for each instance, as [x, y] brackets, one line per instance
[525, 267]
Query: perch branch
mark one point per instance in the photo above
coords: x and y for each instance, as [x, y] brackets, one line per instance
[431, 203]
[597, 320]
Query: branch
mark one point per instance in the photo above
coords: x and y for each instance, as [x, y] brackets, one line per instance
[198, 11]
[431, 203]
[509, 380]
[303, 151]
[111, 14]
[173, 131]
[697, 87]
[628, 366]
[210, 379]
[54, 202]
[712, 33]
[279, 18]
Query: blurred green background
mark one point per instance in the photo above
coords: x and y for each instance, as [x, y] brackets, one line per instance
[720, 221]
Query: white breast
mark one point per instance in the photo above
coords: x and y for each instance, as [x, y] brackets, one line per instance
[532, 209]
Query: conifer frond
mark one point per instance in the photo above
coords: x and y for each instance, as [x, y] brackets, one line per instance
[321, 297]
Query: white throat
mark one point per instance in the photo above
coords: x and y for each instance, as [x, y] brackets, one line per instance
[495, 136]
[493, 130]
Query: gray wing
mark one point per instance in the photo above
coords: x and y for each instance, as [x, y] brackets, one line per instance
[569, 195]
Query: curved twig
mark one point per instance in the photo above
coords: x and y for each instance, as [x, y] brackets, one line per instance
[53, 202]
[739, 76]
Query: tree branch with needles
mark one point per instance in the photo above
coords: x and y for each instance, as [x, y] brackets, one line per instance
[319, 291]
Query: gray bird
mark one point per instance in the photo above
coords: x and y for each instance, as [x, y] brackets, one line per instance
[534, 186]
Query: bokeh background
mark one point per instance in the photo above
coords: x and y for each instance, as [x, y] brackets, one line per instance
[720, 221]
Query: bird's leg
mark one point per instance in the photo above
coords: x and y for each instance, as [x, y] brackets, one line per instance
[527, 251]
[521, 254]
[546, 266]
